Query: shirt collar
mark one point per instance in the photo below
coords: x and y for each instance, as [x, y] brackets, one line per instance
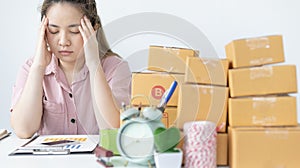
[54, 68]
[82, 74]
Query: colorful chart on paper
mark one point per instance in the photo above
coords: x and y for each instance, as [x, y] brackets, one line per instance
[80, 139]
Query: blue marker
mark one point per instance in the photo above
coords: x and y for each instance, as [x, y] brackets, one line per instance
[167, 96]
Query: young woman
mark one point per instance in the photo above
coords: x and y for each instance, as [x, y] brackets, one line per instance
[74, 84]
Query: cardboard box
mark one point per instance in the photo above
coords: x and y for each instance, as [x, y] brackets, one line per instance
[169, 116]
[222, 149]
[169, 59]
[202, 103]
[263, 111]
[255, 51]
[206, 71]
[262, 80]
[153, 86]
[168, 119]
[181, 142]
[180, 145]
[264, 147]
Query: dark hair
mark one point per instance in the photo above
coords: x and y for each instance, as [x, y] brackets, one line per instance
[88, 8]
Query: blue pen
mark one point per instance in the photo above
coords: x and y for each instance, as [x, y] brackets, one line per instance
[167, 96]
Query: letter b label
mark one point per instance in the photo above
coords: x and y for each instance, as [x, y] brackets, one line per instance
[157, 92]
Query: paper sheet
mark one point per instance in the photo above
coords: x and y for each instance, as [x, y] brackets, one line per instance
[85, 143]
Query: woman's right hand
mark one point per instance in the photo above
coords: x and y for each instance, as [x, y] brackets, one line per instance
[43, 54]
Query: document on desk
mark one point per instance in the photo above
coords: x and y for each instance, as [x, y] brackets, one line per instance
[57, 144]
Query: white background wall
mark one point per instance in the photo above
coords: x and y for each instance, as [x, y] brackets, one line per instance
[220, 20]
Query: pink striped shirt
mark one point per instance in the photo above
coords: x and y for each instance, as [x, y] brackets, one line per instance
[69, 109]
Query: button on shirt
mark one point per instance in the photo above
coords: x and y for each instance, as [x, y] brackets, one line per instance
[69, 109]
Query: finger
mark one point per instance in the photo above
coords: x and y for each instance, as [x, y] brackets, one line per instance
[45, 26]
[89, 25]
[82, 33]
[43, 19]
[85, 28]
[42, 26]
[43, 31]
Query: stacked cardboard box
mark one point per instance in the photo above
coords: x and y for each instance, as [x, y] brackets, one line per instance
[166, 64]
[152, 85]
[262, 116]
[169, 59]
[202, 92]
[204, 96]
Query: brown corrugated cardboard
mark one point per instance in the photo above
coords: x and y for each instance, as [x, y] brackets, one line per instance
[262, 111]
[168, 119]
[272, 147]
[153, 86]
[180, 145]
[169, 116]
[169, 59]
[262, 80]
[206, 71]
[222, 149]
[201, 102]
[255, 51]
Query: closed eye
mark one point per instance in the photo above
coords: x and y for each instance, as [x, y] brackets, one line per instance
[75, 32]
[55, 32]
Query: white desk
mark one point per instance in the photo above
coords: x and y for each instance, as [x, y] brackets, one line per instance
[10, 143]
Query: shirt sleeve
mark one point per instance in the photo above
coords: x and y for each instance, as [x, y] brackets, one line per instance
[20, 83]
[118, 75]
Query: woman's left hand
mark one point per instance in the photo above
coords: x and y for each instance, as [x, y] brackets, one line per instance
[90, 47]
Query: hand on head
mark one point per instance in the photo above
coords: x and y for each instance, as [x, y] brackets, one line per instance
[90, 47]
[43, 52]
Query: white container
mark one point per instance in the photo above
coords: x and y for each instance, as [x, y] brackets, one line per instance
[168, 159]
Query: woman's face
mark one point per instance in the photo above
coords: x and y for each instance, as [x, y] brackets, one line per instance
[63, 34]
